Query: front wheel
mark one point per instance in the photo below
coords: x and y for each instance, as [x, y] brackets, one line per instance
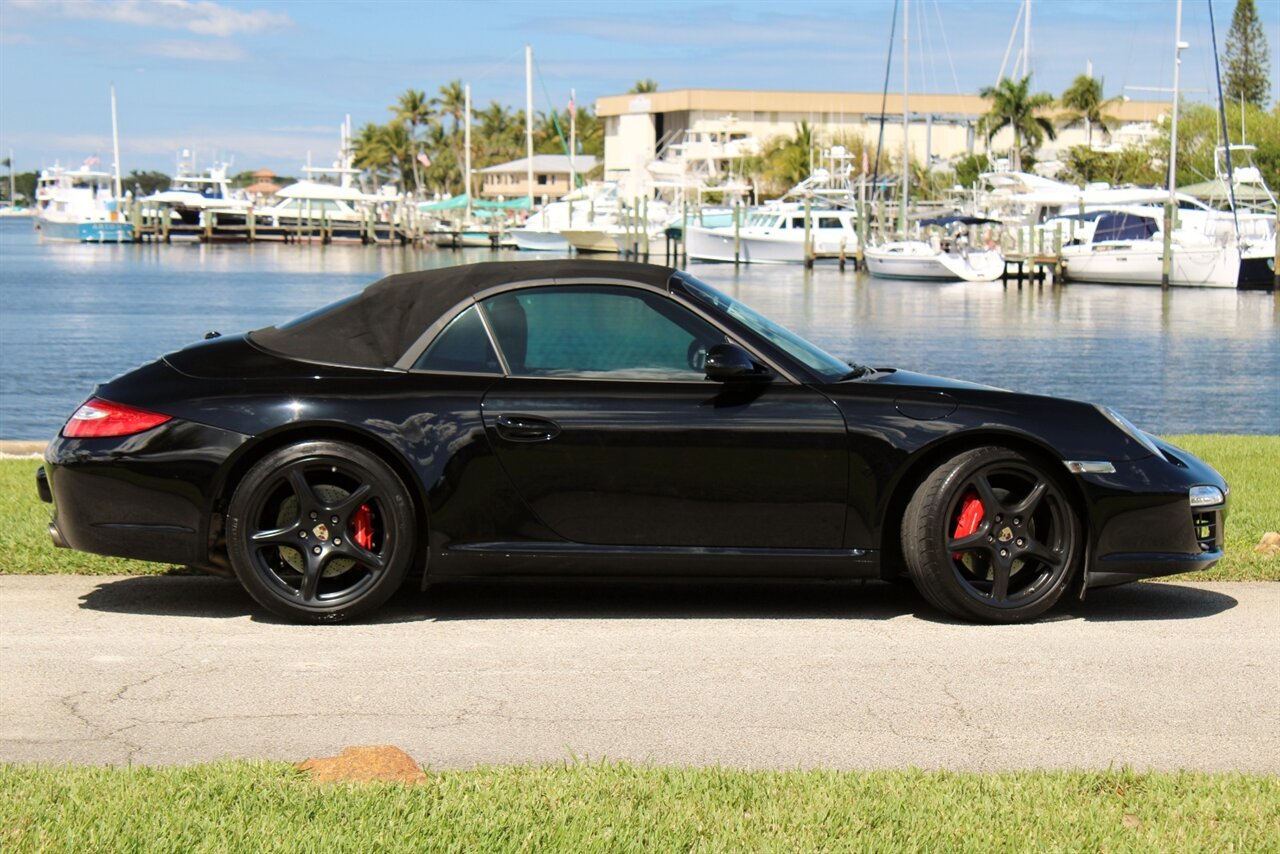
[320, 531]
[991, 536]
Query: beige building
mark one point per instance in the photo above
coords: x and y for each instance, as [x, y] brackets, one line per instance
[636, 127]
[551, 177]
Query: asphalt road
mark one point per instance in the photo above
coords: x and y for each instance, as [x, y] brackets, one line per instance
[182, 669]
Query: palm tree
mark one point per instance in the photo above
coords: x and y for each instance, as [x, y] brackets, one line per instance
[1083, 99]
[643, 87]
[413, 110]
[784, 162]
[451, 103]
[1013, 106]
[372, 151]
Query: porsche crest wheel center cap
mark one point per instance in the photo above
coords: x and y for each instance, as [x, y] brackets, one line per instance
[1005, 535]
[322, 533]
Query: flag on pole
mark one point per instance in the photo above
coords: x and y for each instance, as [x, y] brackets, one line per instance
[573, 109]
[424, 159]
[92, 160]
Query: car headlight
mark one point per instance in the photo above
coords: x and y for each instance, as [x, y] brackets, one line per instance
[1206, 496]
[1130, 429]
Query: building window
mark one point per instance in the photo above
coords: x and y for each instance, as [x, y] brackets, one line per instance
[542, 180]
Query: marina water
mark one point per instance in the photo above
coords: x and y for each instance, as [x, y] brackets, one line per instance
[1184, 360]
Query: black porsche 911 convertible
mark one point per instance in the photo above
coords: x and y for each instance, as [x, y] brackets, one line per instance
[605, 419]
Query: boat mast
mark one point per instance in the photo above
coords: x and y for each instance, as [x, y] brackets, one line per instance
[466, 144]
[573, 137]
[115, 141]
[1172, 203]
[528, 117]
[1026, 42]
[906, 120]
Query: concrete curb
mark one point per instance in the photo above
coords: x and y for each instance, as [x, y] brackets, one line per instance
[18, 448]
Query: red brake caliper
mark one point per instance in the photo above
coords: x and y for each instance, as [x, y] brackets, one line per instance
[362, 527]
[970, 516]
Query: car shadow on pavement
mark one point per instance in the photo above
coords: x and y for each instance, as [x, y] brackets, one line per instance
[1148, 600]
[216, 598]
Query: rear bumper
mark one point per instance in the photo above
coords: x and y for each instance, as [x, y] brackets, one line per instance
[147, 497]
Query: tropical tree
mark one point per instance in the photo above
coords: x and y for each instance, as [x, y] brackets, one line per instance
[372, 151]
[450, 102]
[1248, 60]
[783, 161]
[413, 110]
[1084, 103]
[643, 87]
[1013, 106]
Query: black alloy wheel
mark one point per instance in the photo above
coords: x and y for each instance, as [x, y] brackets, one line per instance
[320, 531]
[991, 536]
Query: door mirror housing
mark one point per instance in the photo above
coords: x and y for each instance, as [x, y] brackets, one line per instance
[731, 363]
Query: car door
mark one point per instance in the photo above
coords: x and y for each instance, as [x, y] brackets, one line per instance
[611, 434]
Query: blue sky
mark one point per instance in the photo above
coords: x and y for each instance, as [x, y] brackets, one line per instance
[265, 82]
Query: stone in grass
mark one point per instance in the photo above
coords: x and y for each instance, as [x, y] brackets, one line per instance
[1270, 544]
[378, 763]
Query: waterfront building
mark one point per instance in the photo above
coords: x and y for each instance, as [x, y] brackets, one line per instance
[552, 177]
[942, 127]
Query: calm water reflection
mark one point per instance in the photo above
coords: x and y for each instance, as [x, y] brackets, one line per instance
[1182, 361]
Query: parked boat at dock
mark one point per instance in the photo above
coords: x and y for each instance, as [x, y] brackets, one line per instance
[192, 195]
[80, 207]
[776, 234]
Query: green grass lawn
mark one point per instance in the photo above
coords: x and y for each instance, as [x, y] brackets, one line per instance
[1250, 463]
[263, 807]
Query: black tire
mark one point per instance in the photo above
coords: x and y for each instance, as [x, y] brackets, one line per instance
[293, 557]
[1008, 565]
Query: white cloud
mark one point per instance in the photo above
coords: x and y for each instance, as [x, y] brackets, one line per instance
[202, 17]
[195, 51]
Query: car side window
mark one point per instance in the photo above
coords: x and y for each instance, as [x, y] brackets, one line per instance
[599, 331]
[461, 347]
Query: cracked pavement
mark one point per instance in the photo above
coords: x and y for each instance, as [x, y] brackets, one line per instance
[174, 669]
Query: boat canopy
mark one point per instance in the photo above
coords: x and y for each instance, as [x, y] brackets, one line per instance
[316, 191]
[460, 201]
[1123, 226]
[958, 219]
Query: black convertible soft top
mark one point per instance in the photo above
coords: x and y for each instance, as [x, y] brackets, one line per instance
[375, 327]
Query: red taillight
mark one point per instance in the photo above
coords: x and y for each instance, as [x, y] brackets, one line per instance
[101, 418]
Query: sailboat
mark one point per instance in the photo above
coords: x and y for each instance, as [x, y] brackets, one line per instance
[1191, 245]
[954, 260]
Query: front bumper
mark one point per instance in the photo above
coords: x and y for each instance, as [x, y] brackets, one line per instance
[1144, 524]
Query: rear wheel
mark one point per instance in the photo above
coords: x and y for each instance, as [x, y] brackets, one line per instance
[991, 536]
[320, 531]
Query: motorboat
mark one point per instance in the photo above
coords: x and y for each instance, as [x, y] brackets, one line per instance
[776, 234]
[191, 195]
[79, 206]
[959, 248]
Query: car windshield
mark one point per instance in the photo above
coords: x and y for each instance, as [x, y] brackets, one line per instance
[822, 363]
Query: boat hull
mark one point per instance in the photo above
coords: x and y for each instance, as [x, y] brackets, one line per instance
[539, 241]
[95, 231]
[921, 262]
[1142, 263]
[717, 244]
[591, 240]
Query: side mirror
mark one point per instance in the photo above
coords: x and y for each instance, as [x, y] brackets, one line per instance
[730, 363]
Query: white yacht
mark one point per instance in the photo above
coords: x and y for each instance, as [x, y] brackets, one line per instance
[583, 209]
[1126, 247]
[193, 194]
[79, 206]
[775, 234]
